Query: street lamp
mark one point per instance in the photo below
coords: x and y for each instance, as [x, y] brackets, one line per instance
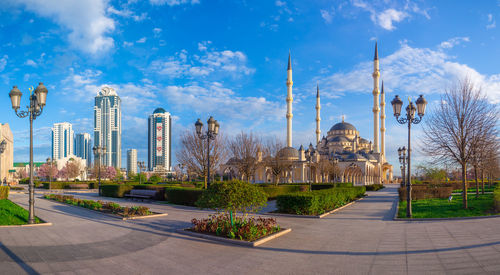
[402, 160]
[98, 151]
[410, 118]
[210, 134]
[37, 101]
[141, 167]
[181, 167]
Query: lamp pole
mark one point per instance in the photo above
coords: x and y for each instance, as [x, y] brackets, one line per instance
[410, 119]
[181, 167]
[210, 134]
[402, 160]
[37, 101]
[98, 151]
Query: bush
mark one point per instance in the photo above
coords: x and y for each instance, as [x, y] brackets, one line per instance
[318, 202]
[374, 187]
[272, 191]
[496, 198]
[343, 184]
[70, 185]
[115, 190]
[183, 196]
[4, 192]
[421, 192]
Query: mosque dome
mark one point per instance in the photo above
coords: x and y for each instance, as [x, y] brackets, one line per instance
[343, 126]
[288, 153]
[339, 139]
[355, 157]
[159, 111]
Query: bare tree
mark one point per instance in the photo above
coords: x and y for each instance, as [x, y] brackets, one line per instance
[272, 160]
[72, 168]
[244, 147]
[461, 121]
[193, 153]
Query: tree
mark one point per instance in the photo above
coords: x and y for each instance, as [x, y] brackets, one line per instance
[272, 160]
[460, 122]
[432, 174]
[48, 171]
[21, 174]
[109, 172]
[72, 169]
[155, 178]
[233, 196]
[131, 175]
[193, 153]
[141, 177]
[119, 175]
[244, 148]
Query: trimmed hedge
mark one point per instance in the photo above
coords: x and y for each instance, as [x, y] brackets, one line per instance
[115, 190]
[273, 191]
[182, 195]
[4, 192]
[317, 202]
[374, 187]
[420, 192]
[496, 198]
[70, 185]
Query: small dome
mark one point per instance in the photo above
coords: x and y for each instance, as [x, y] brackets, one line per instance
[232, 161]
[343, 126]
[159, 111]
[355, 157]
[288, 153]
[339, 139]
[363, 141]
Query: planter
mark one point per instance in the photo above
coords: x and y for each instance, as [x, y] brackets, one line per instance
[313, 216]
[255, 243]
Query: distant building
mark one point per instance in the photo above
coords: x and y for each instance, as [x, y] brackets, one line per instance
[7, 156]
[159, 141]
[83, 147]
[82, 165]
[62, 140]
[132, 161]
[108, 126]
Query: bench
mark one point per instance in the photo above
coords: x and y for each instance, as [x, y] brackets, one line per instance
[141, 193]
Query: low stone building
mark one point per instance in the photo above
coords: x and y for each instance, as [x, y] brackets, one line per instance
[6, 153]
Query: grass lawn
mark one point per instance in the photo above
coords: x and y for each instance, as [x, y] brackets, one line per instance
[13, 214]
[473, 189]
[441, 208]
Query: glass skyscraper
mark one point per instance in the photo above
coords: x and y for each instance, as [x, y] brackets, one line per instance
[83, 147]
[62, 140]
[159, 141]
[108, 126]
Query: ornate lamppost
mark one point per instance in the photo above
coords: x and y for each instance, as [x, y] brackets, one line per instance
[410, 119]
[141, 168]
[210, 134]
[37, 101]
[98, 151]
[402, 160]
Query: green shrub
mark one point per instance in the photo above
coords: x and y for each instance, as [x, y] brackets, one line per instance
[318, 202]
[374, 187]
[343, 184]
[272, 191]
[421, 192]
[24, 181]
[321, 186]
[183, 196]
[115, 190]
[4, 192]
[496, 198]
[70, 185]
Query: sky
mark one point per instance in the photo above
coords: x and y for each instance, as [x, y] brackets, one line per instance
[227, 59]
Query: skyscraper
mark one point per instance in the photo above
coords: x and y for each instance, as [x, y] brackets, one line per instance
[159, 141]
[62, 140]
[83, 147]
[132, 161]
[108, 126]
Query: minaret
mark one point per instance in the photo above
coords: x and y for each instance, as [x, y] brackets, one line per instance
[376, 75]
[382, 122]
[289, 100]
[318, 118]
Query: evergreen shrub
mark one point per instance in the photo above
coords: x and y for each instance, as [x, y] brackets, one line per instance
[182, 195]
[496, 198]
[374, 187]
[4, 192]
[115, 190]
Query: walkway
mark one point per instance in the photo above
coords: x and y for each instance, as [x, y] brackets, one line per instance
[360, 239]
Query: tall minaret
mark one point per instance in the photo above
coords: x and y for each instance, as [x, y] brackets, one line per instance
[289, 100]
[318, 118]
[382, 122]
[376, 75]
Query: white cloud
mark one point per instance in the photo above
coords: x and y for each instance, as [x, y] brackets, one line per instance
[3, 62]
[327, 15]
[450, 43]
[127, 44]
[386, 18]
[491, 22]
[142, 40]
[173, 2]
[30, 62]
[157, 31]
[126, 13]
[411, 71]
[280, 3]
[86, 20]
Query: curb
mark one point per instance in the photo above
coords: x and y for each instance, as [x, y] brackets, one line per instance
[313, 216]
[234, 241]
[27, 225]
[145, 217]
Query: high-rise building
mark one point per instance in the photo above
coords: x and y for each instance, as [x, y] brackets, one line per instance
[108, 126]
[132, 161]
[62, 140]
[159, 141]
[83, 147]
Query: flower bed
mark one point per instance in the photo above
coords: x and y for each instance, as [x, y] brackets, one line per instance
[105, 207]
[244, 228]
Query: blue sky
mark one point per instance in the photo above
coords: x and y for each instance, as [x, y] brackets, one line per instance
[197, 58]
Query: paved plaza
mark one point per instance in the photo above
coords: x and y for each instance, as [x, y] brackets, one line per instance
[359, 239]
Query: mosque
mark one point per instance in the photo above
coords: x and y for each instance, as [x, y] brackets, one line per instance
[341, 156]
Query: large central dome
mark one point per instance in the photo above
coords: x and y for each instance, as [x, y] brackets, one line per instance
[343, 126]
